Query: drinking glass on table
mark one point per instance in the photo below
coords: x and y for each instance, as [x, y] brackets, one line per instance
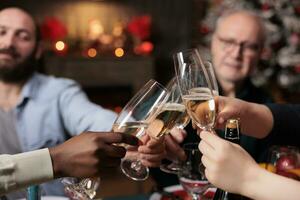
[196, 88]
[191, 174]
[134, 120]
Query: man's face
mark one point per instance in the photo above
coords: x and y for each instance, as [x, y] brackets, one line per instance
[236, 47]
[17, 45]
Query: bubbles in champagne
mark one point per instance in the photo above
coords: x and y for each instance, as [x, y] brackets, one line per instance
[201, 108]
[172, 114]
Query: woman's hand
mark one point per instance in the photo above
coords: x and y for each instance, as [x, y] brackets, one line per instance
[228, 166]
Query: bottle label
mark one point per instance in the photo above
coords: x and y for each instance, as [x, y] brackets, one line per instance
[232, 130]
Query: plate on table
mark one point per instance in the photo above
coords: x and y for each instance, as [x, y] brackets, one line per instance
[177, 190]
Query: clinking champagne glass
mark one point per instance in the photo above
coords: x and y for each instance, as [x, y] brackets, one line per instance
[191, 174]
[175, 114]
[172, 115]
[196, 88]
[135, 118]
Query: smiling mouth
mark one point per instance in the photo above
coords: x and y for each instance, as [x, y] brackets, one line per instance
[6, 56]
[235, 66]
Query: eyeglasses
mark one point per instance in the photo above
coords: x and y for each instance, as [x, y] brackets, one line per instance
[247, 48]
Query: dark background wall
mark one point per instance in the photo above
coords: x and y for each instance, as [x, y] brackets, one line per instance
[172, 27]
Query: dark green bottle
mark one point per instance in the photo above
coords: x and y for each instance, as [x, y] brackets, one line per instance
[232, 134]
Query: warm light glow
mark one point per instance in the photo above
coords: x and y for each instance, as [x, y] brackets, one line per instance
[106, 39]
[95, 29]
[147, 47]
[118, 30]
[119, 52]
[92, 52]
[60, 45]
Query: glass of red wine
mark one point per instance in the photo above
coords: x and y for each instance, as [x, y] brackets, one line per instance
[191, 174]
[284, 161]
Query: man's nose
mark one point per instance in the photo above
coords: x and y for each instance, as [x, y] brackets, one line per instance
[237, 51]
[7, 41]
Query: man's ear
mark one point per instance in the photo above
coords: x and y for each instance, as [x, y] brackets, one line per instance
[39, 50]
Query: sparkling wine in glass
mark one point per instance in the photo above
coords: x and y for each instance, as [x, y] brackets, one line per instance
[172, 115]
[196, 88]
[191, 174]
[135, 119]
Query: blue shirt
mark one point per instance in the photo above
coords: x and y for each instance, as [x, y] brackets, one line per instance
[53, 109]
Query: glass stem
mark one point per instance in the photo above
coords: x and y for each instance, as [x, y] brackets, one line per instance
[196, 197]
[136, 165]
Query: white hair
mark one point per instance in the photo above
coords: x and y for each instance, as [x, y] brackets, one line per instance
[250, 13]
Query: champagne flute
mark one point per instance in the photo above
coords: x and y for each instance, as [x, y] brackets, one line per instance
[174, 115]
[196, 88]
[191, 174]
[135, 118]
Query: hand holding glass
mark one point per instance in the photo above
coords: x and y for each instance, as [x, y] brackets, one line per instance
[135, 118]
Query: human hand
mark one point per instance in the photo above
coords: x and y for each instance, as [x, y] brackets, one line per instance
[152, 151]
[229, 108]
[228, 166]
[173, 140]
[87, 154]
[256, 119]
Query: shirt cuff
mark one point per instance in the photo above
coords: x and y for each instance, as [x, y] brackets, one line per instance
[33, 167]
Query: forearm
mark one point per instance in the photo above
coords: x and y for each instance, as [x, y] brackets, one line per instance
[256, 120]
[269, 186]
[21, 170]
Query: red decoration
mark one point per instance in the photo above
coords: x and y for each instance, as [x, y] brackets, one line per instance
[265, 7]
[204, 29]
[140, 27]
[297, 9]
[53, 29]
[297, 68]
[145, 48]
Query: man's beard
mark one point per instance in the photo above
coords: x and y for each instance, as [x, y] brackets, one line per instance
[19, 72]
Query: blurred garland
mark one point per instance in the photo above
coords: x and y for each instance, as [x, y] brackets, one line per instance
[280, 62]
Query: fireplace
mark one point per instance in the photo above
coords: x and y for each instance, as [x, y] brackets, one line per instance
[108, 81]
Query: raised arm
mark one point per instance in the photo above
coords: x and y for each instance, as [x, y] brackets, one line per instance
[230, 167]
[85, 155]
[256, 119]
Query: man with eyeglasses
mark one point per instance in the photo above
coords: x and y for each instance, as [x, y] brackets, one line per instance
[236, 46]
